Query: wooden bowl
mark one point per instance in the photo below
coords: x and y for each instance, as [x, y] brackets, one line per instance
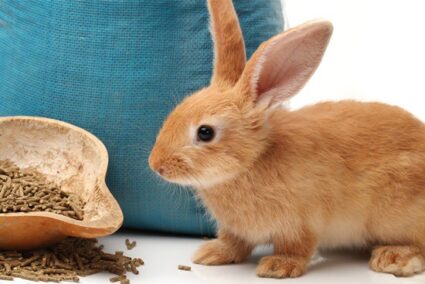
[74, 159]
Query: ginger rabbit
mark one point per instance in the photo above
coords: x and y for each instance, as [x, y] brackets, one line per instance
[330, 175]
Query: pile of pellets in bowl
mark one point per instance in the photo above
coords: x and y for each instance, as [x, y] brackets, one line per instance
[29, 191]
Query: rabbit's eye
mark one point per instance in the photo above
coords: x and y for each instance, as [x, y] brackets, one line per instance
[205, 133]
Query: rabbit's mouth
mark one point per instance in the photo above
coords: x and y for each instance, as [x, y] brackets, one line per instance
[184, 170]
[183, 176]
[185, 181]
[200, 181]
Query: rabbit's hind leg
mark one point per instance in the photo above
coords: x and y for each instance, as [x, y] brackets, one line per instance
[398, 260]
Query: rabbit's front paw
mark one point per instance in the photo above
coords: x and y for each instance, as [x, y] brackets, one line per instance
[214, 252]
[397, 260]
[279, 266]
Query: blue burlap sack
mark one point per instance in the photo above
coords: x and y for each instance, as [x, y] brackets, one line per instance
[116, 68]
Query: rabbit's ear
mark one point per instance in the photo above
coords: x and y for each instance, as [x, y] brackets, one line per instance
[229, 47]
[282, 65]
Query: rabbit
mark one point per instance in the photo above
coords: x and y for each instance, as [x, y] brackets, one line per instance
[332, 175]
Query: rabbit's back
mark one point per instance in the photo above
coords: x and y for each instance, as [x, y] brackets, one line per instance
[353, 127]
[358, 136]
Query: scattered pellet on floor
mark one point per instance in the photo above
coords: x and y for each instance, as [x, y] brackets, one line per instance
[184, 267]
[130, 245]
[27, 190]
[66, 261]
[118, 278]
[138, 262]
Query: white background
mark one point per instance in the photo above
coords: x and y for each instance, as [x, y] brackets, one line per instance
[376, 54]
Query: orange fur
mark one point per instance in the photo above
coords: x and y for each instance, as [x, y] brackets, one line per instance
[228, 66]
[335, 174]
[398, 260]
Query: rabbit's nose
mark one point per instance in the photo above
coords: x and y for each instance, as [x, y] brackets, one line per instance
[160, 171]
[156, 163]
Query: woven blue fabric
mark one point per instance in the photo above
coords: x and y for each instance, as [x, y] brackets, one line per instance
[116, 68]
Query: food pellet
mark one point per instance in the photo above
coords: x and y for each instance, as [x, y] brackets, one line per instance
[184, 267]
[130, 245]
[117, 278]
[66, 261]
[27, 190]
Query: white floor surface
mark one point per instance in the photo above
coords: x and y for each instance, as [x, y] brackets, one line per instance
[162, 254]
